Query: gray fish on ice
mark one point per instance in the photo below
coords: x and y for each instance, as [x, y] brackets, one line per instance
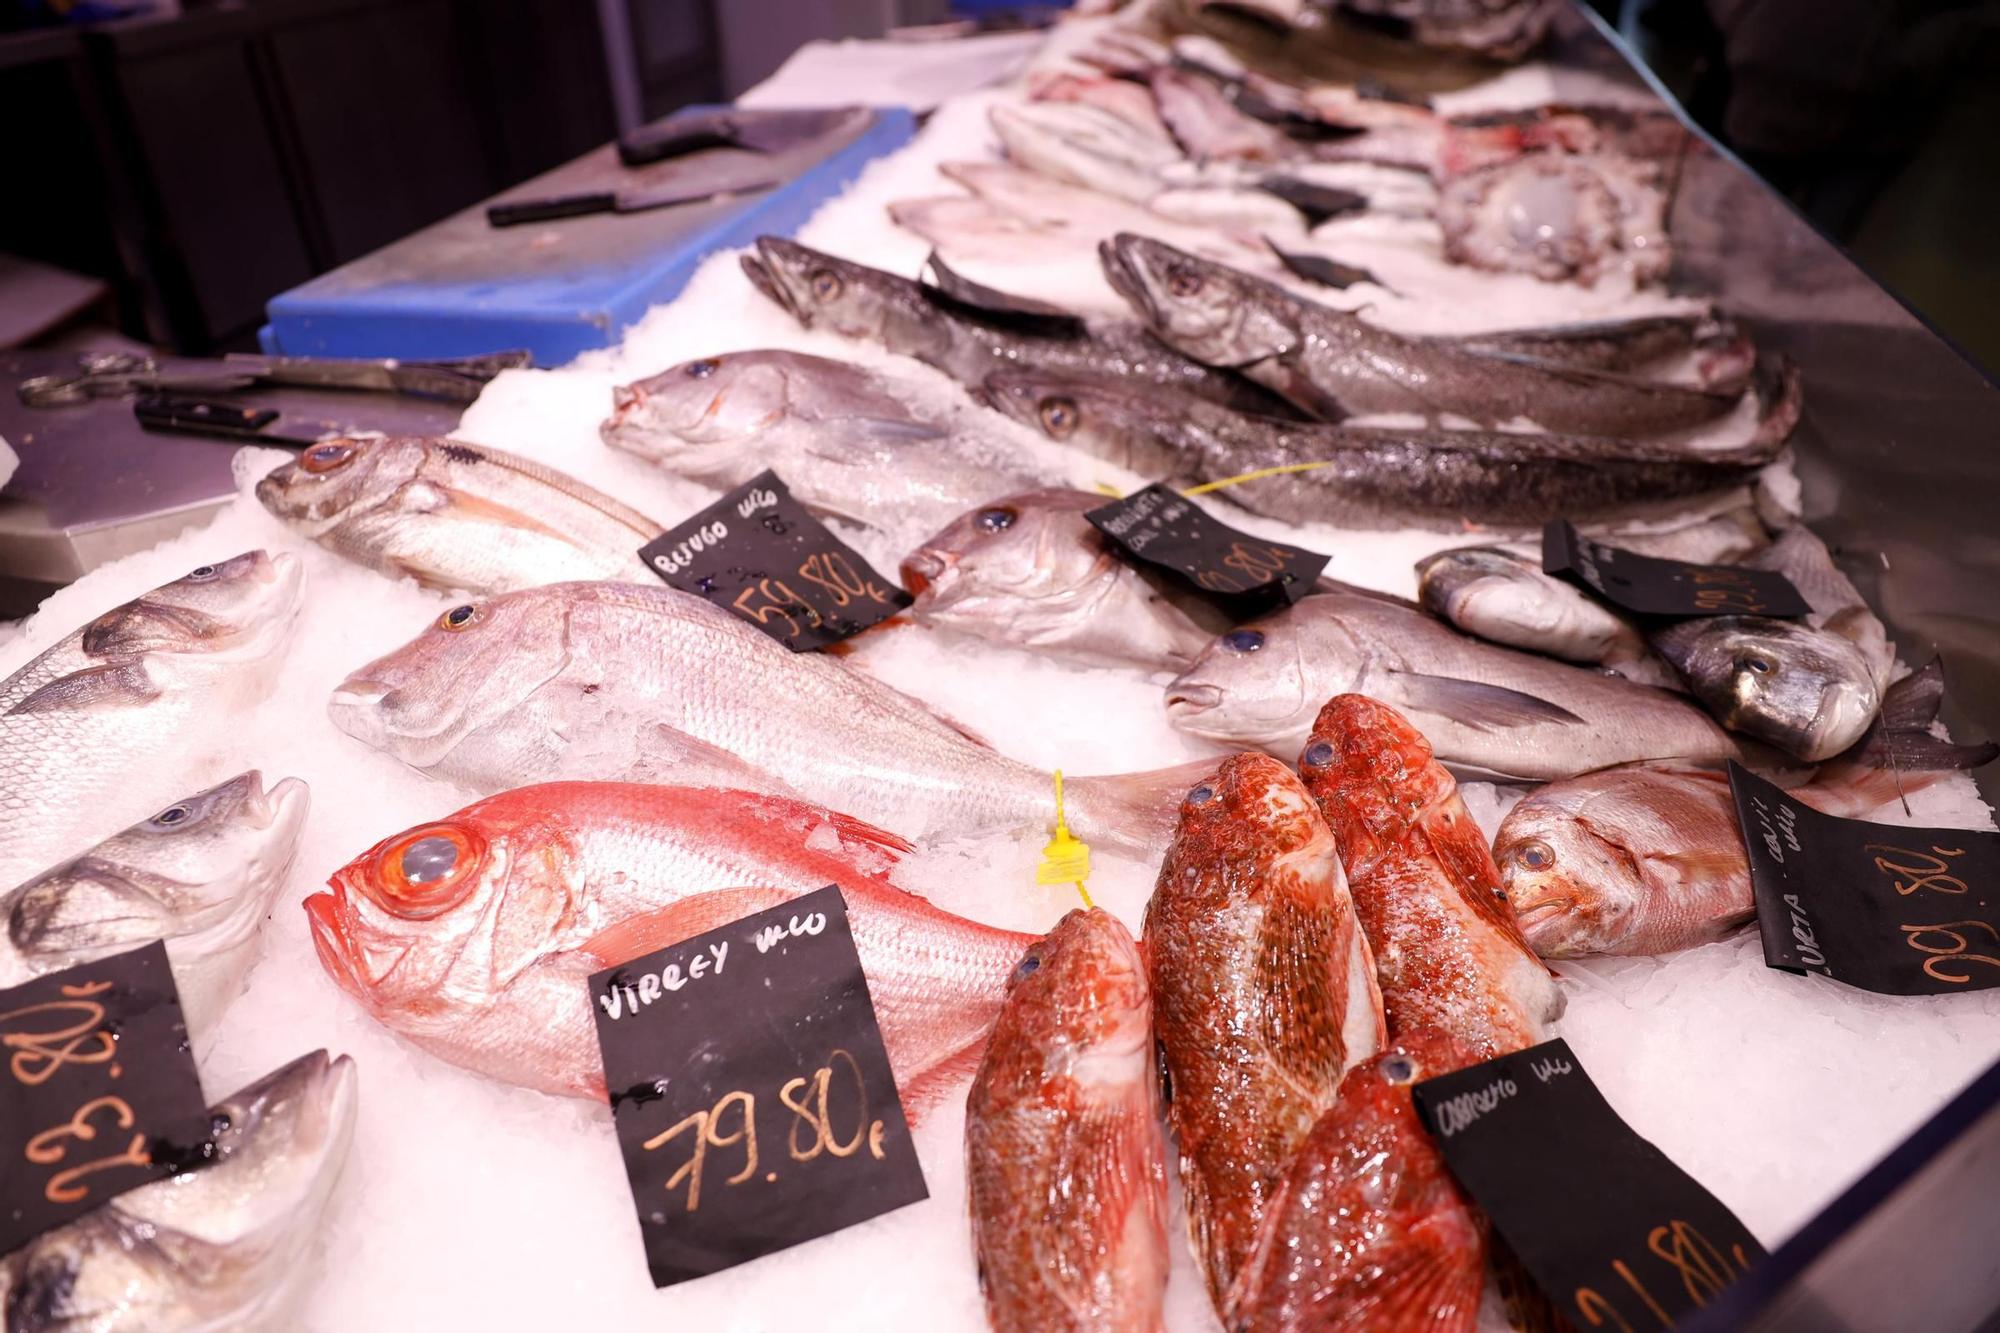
[224, 1249]
[93, 730]
[200, 874]
[455, 515]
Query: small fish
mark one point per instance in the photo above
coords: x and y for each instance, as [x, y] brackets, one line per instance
[1448, 953]
[1030, 571]
[1333, 364]
[1085, 145]
[229, 1246]
[1264, 996]
[454, 515]
[1488, 710]
[1066, 1169]
[200, 874]
[848, 441]
[91, 730]
[635, 683]
[475, 936]
[1505, 598]
[1369, 1230]
[1810, 692]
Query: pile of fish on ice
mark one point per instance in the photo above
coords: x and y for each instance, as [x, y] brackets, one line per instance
[1327, 921]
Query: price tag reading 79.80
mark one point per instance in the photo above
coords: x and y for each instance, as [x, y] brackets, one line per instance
[758, 554]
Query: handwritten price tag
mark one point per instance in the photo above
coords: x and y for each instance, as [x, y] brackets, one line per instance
[758, 553]
[752, 1095]
[1652, 587]
[1902, 911]
[98, 1094]
[1246, 576]
[1617, 1236]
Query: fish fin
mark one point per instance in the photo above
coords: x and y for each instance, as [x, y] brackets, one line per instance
[1282, 377]
[1475, 704]
[637, 936]
[899, 429]
[934, 1086]
[851, 829]
[1425, 1286]
[1132, 811]
[1900, 736]
[117, 685]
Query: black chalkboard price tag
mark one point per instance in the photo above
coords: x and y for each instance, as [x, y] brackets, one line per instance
[1616, 1235]
[758, 553]
[1246, 576]
[1900, 911]
[98, 1094]
[1648, 586]
[752, 1095]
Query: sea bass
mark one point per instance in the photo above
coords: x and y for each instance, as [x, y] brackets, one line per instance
[1029, 570]
[474, 936]
[455, 515]
[225, 1249]
[1369, 477]
[1369, 1230]
[1447, 951]
[847, 440]
[1264, 996]
[1066, 1169]
[1486, 709]
[1333, 364]
[91, 729]
[200, 874]
[620, 681]
[967, 342]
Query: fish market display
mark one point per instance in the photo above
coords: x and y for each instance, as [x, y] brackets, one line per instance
[83, 724]
[1485, 709]
[1065, 1164]
[455, 515]
[474, 937]
[1506, 598]
[1448, 953]
[1263, 998]
[846, 440]
[1031, 571]
[1502, 29]
[618, 681]
[227, 1247]
[1559, 216]
[1369, 478]
[200, 874]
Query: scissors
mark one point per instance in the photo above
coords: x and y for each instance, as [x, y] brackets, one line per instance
[117, 374]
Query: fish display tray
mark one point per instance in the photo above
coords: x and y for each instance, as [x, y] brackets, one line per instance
[463, 287]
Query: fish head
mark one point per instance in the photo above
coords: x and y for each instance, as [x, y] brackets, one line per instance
[1577, 885]
[1506, 598]
[1250, 801]
[1078, 1006]
[1373, 774]
[1808, 691]
[1248, 686]
[202, 871]
[333, 479]
[824, 291]
[1035, 546]
[474, 666]
[1204, 309]
[1142, 432]
[1449, 581]
[236, 611]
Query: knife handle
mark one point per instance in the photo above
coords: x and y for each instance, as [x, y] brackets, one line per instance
[555, 206]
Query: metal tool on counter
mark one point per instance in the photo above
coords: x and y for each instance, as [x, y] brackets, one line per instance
[116, 374]
[702, 180]
[728, 127]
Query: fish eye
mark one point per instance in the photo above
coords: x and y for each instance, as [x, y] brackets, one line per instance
[459, 617]
[169, 817]
[1183, 281]
[1059, 416]
[327, 457]
[218, 1124]
[1243, 640]
[997, 519]
[701, 370]
[428, 859]
[426, 872]
[1028, 967]
[1317, 755]
[1536, 855]
[1759, 664]
[201, 574]
[826, 284]
[1399, 1069]
[1201, 795]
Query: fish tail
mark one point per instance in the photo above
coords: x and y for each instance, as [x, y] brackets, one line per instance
[1133, 812]
[1901, 735]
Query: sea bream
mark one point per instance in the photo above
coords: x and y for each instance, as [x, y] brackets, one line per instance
[1487, 710]
[1333, 364]
[91, 730]
[454, 515]
[848, 441]
[199, 874]
[628, 682]
[1030, 571]
[1065, 1165]
[475, 936]
[1264, 996]
[227, 1248]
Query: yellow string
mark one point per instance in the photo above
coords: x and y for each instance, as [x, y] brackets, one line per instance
[1206, 487]
[1066, 859]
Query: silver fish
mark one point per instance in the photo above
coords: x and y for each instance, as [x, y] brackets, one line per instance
[90, 730]
[1334, 364]
[222, 1250]
[1029, 570]
[1084, 145]
[200, 874]
[614, 681]
[1808, 691]
[848, 441]
[1485, 709]
[454, 515]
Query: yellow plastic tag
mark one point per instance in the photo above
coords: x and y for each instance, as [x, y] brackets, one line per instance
[1066, 859]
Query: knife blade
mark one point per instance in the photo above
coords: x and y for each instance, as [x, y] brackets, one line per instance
[691, 186]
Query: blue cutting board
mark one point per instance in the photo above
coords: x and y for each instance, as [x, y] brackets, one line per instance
[462, 287]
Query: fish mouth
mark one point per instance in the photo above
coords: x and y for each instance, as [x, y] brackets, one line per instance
[1541, 910]
[766, 270]
[1188, 700]
[1845, 712]
[1126, 277]
[921, 569]
[323, 916]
